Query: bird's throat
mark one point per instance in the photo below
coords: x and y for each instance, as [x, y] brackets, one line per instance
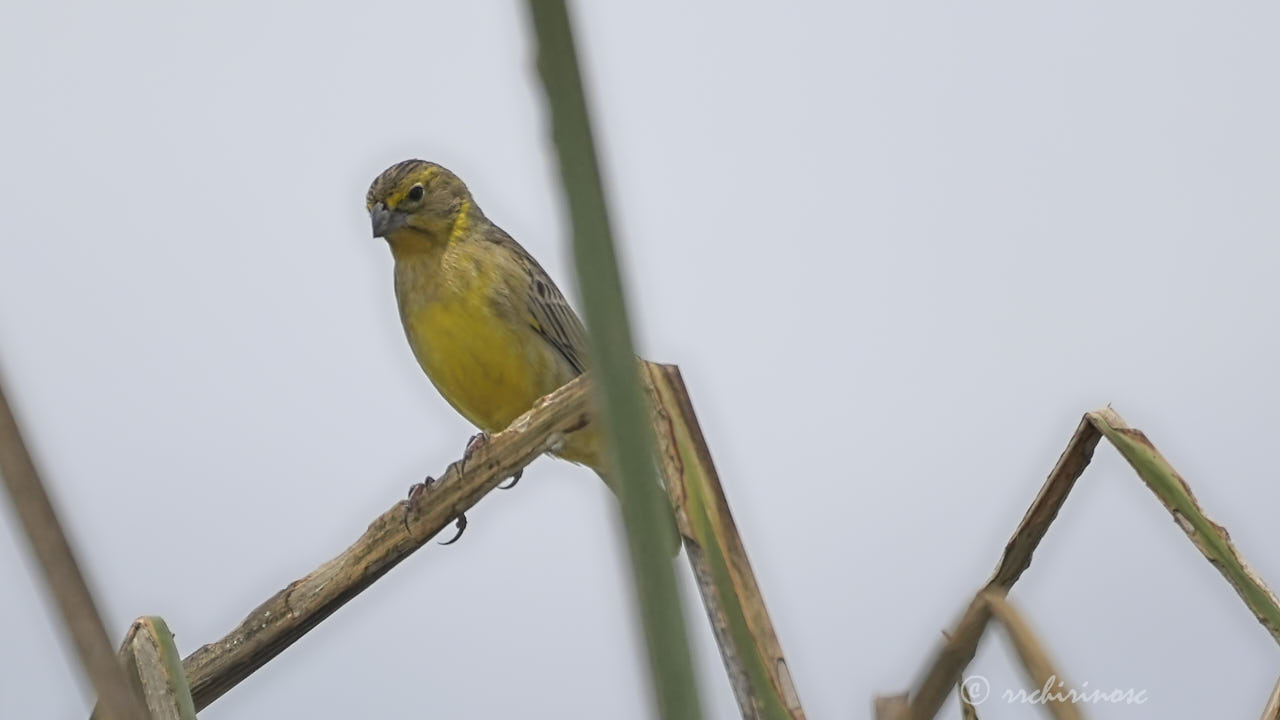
[408, 242]
[431, 239]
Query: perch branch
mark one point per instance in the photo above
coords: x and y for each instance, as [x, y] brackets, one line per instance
[391, 537]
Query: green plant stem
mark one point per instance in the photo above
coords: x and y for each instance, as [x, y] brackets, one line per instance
[624, 418]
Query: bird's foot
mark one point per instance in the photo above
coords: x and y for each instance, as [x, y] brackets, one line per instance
[417, 489]
[476, 442]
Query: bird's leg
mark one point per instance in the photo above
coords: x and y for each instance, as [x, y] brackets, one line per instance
[514, 479]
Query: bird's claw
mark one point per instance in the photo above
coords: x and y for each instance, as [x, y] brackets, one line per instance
[476, 442]
[418, 488]
[462, 527]
[415, 490]
[514, 479]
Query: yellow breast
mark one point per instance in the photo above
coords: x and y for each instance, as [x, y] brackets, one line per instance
[484, 362]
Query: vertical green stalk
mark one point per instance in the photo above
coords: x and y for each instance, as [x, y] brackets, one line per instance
[625, 422]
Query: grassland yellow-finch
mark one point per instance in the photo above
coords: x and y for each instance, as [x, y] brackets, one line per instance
[484, 320]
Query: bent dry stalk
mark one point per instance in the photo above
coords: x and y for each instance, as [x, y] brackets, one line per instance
[1211, 539]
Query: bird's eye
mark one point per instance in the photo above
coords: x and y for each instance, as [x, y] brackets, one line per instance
[415, 193]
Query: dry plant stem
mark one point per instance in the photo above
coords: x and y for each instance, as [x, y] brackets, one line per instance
[390, 538]
[1272, 710]
[748, 644]
[967, 709]
[956, 654]
[891, 707]
[1174, 493]
[959, 650]
[1039, 670]
[79, 613]
[1074, 459]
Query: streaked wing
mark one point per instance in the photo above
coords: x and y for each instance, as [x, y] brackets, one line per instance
[550, 315]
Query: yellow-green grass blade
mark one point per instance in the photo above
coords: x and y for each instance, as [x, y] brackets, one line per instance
[154, 668]
[1174, 493]
[153, 661]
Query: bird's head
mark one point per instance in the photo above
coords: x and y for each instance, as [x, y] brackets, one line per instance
[416, 198]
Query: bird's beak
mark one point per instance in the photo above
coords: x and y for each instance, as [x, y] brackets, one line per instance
[385, 221]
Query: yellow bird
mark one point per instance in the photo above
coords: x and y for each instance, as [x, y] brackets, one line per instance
[484, 320]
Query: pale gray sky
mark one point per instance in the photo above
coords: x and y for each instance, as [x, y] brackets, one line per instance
[897, 249]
